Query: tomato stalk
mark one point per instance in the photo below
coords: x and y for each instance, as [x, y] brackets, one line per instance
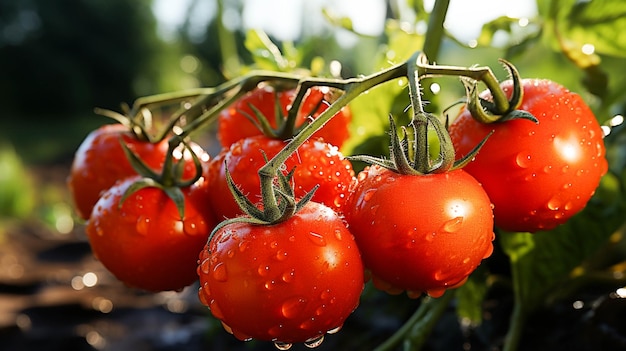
[419, 325]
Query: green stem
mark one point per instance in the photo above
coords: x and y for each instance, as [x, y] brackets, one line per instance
[516, 328]
[422, 329]
[420, 324]
[483, 74]
[419, 122]
[434, 34]
[353, 88]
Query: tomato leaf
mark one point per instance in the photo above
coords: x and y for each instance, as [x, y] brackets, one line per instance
[597, 22]
[265, 53]
[470, 296]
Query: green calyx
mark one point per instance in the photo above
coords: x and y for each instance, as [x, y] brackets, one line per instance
[486, 111]
[170, 179]
[280, 195]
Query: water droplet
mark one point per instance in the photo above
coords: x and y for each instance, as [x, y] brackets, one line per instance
[243, 245]
[293, 306]
[547, 169]
[270, 285]
[281, 255]
[335, 330]
[230, 253]
[430, 236]
[368, 194]
[452, 225]
[263, 270]
[205, 266]
[190, 227]
[568, 206]
[338, 234]
[317, 239]
[554, 204]
[275, 331]
[283, 346]
[219, 272]
[523, 159]
[143, 225]
[314, 342]
[288, 276]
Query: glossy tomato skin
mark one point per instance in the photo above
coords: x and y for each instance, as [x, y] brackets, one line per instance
[100, 161]
[537, 175]
[144, 243]
[420, 233]
[315, 162]
[288, 282]
[233, 124]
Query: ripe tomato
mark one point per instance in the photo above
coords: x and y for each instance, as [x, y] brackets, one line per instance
[420, 233]
[288, 282]
[537, 175]
[233, 124]
[315, 162]
[144, 242]
[100, 161]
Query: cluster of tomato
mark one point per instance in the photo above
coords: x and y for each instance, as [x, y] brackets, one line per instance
[300, 278]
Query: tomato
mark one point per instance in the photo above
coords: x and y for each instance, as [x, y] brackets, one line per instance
[420, 233]
[144, 242]
[315, 162]
[100, 161]
[537, 175]
[287, 282]
[233, 124]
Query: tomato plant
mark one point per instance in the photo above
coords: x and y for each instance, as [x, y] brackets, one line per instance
[143, 240]
[537, 175]
[236, 122]
[100, 161]
[315, 162]
[288, 282]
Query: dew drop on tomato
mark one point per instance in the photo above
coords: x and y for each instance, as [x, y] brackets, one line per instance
[292, 307]
[314, 342]
[288, 276]
[335, 330]
[282, 346]
[219, 272]
[317, 239]
[452, 225]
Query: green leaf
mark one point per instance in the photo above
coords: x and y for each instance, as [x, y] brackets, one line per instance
[600, 23]
[470, 296]
[543, 261]
[490, 28]
[341, 22]
[265, 53]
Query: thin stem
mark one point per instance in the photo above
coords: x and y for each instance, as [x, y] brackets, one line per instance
[353, 88]
[435, 31]
[418, 120]
[483, 74]
[420, 324]
[516, 328]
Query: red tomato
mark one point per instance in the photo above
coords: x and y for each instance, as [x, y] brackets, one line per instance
[144, 242]
[233, 124]
[420, 233]
[288, 282]
[537, 175]
[315, 162]
[100, 161]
